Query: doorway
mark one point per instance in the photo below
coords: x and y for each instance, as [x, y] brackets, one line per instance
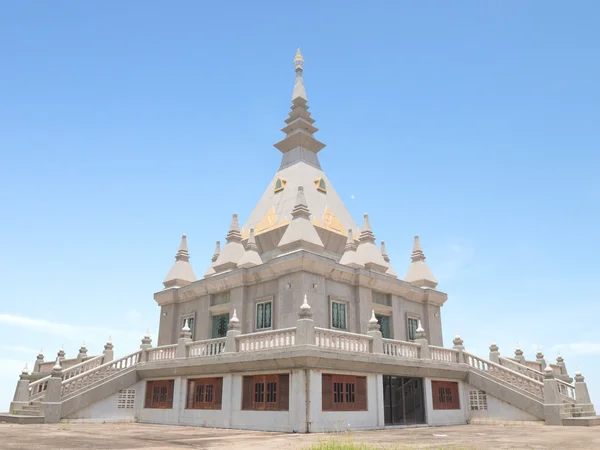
[403, 400]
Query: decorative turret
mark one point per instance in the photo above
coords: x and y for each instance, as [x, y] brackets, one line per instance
[419, 273]
[61, 353]
[251, 257]
[299, 142]
[350, 257]
[233, 250]
[181, 273]
[211, 271]
[367, 251]
[391, 272]
[300, 233]
[458, 342]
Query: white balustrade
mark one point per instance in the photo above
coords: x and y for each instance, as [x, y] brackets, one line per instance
[37, 389]
[509, 376]
[443, 354]
[522, 369]
[401, 349]
[162, 353]
[342, 340]
[102, 372]
[567, 390]
[209, 347]
[265, 340]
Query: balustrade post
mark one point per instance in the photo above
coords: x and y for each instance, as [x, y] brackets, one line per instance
[82, 355]
[552, 401]
[38, 361]
[233, 332]
[305, 325]
[21, 397]
[582, 396]
[560, 362]
[184, 338]
[375, 333]
[50, 407]
[539, 358]
[421, 339]
[494, 353]
[519, 354]
[145, 346]
[108, 352]
[61, 353]
[458, 345]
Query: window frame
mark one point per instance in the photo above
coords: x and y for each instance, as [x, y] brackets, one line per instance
[167, 403]
[263, 300]
[342, 388]
[449, 399]
[390, 323]
[212, 318]
[478, 400]
[216, 384]
[410, 317]
[275, 387]
[346, 308]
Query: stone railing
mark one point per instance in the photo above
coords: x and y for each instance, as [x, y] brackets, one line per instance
[265, 340]
[522, 369]
[37, 388]
[443, 354]
[342, 340]
[46, 367]
[210, 347]
[509, 376]
[162, 353]
[566, 390]
[401, 349]
[86, 379]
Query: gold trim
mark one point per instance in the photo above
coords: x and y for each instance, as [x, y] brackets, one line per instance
[320, 188]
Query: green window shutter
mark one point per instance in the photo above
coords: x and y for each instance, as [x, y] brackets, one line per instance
[384, 323]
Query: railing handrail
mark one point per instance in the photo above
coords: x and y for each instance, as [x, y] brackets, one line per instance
[106, 364]
[266, 332]
[40, 381]
[436, 347]
[76, 366]
[162, 347]
[498, 366]
[205, 341]
[345, 333]
[395, 341]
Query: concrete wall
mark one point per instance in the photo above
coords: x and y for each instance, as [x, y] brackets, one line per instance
[497, 409]
[323, 421]
[445, 417]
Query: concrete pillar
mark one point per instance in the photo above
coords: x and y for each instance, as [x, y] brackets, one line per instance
[560, 362]
[519, 354]
[109, 353]
[552, 402]
[146, 344]
[82, 355]
[421, 339]
[61, 354]
[305, 325]
[539, 358]
[494, 353]
[233, 332]
[184, 337]
[582, 395]
[21, 397]
[458, 345]
[51, 405]
[375, 333]
[38, 361]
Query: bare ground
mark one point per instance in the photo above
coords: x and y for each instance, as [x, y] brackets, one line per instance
[162, 437]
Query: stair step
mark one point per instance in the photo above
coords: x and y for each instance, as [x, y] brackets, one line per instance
[593, 421]
[20, 419]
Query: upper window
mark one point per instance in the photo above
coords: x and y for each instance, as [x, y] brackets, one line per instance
[159, 394]
[382, 299]
[321, 186]
[411, 327]
[205, 393]
[478, 400]
[220, 325]
[266, 392]
[263, 315]
[338, 315]
[384, 323]
[219, 298]
[445, 395]
[344, 393]
[280, 184]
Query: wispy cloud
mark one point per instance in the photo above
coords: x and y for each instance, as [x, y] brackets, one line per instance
[579, 348]
[18, 349]
[134, 314]
[456, 260]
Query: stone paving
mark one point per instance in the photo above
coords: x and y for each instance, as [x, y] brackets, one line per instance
[163, 437]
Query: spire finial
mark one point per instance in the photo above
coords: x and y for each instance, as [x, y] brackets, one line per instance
[301, 206]
[305, 306]
[373, 319]
[217, 251]
[417, 254]
[234, 318]
[182, 251]
[25, 370]
[298, 59]
[186, 326]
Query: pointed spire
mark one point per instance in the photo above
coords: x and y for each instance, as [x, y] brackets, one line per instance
[350, 257]
[305, 310]
[419, 273]
[25, 370]
[391, 272]
[211, 271]
[305, 306]
[57, 366]
[181, 273]
[233, 250]
[367, 251]
[300, 233]
[251, 258]
[374, 323]
[299, 143]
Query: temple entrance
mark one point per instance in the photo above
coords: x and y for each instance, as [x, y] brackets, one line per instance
[403, 400]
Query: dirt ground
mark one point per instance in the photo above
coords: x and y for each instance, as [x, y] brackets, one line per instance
[163, 437]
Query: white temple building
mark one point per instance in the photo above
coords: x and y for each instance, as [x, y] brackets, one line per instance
[301, 323]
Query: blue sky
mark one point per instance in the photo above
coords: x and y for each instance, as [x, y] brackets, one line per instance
[473, 124]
